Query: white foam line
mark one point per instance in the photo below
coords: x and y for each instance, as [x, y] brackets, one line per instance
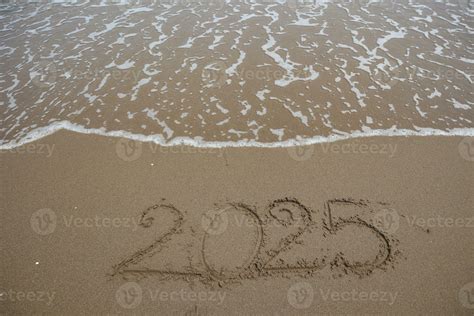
[41, 132]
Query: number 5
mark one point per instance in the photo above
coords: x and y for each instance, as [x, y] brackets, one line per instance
[353, 237]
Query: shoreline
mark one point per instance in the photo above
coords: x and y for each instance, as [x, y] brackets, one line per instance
[56, 127]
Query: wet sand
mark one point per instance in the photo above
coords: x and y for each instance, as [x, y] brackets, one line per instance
[98, 225]
[240, 72]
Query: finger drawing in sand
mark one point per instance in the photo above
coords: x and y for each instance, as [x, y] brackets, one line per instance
[286, 238]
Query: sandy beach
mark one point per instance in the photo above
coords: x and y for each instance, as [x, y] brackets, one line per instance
[248, 72]
[99, 225]
[236, 157]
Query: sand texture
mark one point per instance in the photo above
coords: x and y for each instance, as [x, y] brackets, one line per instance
[98, 225]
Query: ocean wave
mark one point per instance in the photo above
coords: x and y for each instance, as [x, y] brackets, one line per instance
[42, 132]
[246, 73]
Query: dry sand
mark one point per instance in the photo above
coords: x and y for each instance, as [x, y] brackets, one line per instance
[90, 228]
